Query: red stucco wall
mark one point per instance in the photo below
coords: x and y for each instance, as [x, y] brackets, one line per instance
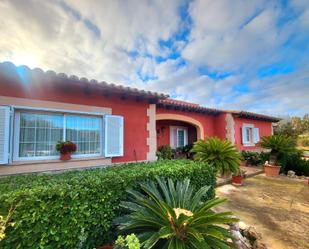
[264, 127]
[208, 121]
[220, 126]
[134, 113]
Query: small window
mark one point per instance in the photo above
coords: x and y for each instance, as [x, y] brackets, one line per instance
[180, 137]
[248, 134]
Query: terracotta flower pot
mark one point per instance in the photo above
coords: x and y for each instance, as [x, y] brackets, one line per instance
[65, 156]
[272, 170]
[237, 180]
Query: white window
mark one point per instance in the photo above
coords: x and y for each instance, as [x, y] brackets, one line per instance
[250, 135]
[37, 133]
[85, 132]
[178, 136]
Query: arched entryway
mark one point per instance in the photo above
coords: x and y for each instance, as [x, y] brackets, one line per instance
[177, 130]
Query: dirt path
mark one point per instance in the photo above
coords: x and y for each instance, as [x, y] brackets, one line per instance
[277, 207]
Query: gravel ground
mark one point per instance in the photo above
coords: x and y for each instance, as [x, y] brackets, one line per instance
[277, 207]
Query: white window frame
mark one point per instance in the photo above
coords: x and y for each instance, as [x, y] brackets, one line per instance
[16, 125]
[178, 128]
[248, 143]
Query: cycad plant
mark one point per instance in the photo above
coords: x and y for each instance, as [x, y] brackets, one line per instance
[221, 154]
[172, 215]
[278, 144]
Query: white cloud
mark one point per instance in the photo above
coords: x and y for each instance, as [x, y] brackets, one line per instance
[93, 38]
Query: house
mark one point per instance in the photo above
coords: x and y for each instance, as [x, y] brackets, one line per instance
[109, 123]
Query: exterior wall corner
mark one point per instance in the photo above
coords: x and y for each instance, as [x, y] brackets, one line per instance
[152, 136]
[230, 128]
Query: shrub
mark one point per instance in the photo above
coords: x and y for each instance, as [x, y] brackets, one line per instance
[168, 214]
[75, 209]
[304, 141]
[220, 154]
[252, 158]
[129, 242]
[165, 152]
[278, 144]
[293, 161]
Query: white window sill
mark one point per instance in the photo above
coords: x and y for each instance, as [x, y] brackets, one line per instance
[249, 145]
[57, 160]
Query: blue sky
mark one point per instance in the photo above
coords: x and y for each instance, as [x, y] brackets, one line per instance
[250, 55]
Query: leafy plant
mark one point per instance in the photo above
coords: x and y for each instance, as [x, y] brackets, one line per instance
[129, 242]
[165, 152]
[252, 158]
[76, 208]
[168, 214]
[66, 147]
[5, 222]
[293, 161]
[220, 154]
[278, 144]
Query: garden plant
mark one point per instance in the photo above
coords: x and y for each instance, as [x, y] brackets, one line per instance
[172, 214]
[221, 154]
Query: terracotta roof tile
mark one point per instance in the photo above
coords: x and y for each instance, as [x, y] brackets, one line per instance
[9, 68]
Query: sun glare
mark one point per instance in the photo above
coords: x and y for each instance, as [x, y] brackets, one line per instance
[26, 59]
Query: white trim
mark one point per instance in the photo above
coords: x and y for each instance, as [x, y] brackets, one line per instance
[177, 128]
[6, 138]
[121, 136]
[17, 110]
[247, 143]
[64, 111]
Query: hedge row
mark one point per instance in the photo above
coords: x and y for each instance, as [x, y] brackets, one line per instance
[76, 209]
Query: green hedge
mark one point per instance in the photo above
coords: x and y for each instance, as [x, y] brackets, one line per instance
[293, 161]
[76, 209]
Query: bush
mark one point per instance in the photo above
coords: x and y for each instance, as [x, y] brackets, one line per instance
[252, 158]
[165, 152]
[293, 161]
[76, 209]
[172, 214]
[221, 154]
[304, 141]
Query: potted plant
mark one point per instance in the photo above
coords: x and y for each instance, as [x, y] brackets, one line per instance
[237, 178]
[221, 154]
[168, 214]
[66, 148]
[278, 144]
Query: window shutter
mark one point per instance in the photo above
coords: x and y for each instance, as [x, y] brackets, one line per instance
[173, 137]
[113, 136]
[4, 134]
[256, 135]
[244, 135]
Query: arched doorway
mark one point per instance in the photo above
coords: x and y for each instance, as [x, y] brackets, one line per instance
[177, 130]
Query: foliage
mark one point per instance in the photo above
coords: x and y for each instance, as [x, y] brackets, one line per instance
[4, 223]
[168, 214]
[129, 242]
[303, 141]
[165, 152]
[252, 158]
[278, 144]
[293, 161]
[76, 209]
[293, 127]
[221, 154]
[66, 147]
